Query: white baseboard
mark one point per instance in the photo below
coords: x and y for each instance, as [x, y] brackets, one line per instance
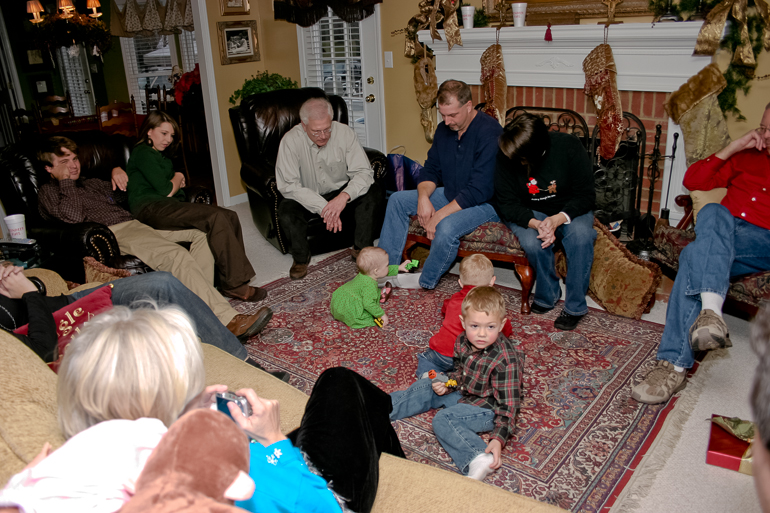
[241, 198]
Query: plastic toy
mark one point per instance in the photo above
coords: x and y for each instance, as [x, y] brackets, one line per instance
[442, 378]
[378, 321]
[414, 264]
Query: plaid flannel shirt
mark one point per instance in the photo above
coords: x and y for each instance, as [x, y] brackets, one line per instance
[77, 201]
[491, 378]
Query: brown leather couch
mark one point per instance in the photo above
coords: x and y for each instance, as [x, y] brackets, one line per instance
[259, 124]
[63, 244]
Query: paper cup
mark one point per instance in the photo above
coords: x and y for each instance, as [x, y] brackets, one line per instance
[16, 226]
[519, 14]
[468, 12]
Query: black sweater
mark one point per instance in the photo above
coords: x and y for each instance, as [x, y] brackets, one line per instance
[564, 183]
[36, 310]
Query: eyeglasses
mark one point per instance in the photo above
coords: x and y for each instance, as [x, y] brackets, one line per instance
[319, 133]
[762, 130]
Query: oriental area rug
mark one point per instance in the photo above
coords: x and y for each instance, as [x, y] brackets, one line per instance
[578, 432]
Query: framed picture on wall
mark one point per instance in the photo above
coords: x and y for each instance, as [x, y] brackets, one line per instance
[234, 7]
[238, 41]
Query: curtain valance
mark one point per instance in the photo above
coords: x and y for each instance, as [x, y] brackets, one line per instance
[307, 12]
[169, 17]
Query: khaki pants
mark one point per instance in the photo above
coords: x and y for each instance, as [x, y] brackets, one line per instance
[194, 268]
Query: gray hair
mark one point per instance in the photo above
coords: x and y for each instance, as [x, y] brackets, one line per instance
[128, 364]
[316, 108]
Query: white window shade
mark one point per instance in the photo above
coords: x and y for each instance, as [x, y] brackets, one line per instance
[332, 50]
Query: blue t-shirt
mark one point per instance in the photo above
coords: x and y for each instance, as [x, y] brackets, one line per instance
[284, 483]
[465, 166]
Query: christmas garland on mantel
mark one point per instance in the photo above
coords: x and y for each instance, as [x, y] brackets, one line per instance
[738, 77]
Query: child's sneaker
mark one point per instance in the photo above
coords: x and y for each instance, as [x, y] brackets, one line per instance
[479, 468]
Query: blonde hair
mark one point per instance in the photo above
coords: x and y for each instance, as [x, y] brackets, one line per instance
[370, 258]
[484, 299]
[476, 270]
[129, 364]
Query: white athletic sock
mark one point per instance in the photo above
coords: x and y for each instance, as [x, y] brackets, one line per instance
[678, 369]
[478, 468]
[712, 301]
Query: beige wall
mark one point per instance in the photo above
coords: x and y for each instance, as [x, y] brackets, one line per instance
[279, 54]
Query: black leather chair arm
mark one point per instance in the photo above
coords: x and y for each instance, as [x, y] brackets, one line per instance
[378, 161]
[260, 178]
[196, 194]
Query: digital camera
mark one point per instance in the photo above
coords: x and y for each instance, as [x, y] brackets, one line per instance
[225, 397]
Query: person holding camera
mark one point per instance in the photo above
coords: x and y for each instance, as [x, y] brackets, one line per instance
[131, 373]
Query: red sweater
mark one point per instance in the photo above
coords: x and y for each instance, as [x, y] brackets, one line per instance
[444, 341]
[747, 178]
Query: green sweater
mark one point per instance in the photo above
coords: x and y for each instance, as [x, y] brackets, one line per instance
[149, 177]
[564, 182]
[357, 302]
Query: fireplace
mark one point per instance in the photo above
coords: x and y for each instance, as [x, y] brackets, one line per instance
[652, 62]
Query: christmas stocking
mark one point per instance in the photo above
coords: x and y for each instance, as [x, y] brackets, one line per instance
[493, 82]
[602, 87]
[694, 107]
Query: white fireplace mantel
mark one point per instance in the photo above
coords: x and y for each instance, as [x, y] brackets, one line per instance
[648, 58]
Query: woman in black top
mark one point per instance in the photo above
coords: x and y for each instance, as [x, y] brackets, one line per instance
[544, 191]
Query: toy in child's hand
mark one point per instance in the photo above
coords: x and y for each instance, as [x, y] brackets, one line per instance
[413, 264]
[441, 378]
[378, 321]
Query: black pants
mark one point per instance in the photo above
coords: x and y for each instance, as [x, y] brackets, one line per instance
[345, 428]
[358, 215]
[222, 229]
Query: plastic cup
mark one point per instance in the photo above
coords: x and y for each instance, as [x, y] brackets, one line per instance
[468, 11]
[519, 14]
[16, 226]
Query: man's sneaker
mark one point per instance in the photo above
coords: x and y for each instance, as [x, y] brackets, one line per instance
[709, 331]
[660, 384]
[567, 322]
[478, 468]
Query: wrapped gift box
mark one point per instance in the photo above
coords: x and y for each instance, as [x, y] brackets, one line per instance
[727, 451]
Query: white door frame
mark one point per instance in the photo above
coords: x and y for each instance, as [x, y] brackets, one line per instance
[210, 104]
[373, 57]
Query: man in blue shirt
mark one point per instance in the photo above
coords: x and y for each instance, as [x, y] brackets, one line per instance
[453, 188]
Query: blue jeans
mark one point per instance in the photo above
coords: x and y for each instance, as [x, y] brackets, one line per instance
[578, 240]
[434, 360]
[443, 249]
[455, 427]
[725, 246]
[164, 289]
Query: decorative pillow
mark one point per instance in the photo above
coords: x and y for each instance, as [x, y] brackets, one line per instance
[702, 198]
[621, 283]
[69, 319]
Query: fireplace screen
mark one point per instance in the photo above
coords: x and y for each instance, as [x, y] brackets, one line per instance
[618, 180]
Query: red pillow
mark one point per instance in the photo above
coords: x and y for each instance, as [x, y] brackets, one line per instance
[69, 319]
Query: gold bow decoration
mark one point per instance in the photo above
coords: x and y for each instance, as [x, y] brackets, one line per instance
[431, 16]
[711, 32]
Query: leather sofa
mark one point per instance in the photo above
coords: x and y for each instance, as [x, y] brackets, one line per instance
[259, 124]
[65, 245]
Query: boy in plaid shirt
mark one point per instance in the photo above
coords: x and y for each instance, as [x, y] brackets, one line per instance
[488, 392]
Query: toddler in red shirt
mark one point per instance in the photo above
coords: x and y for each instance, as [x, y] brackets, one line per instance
[475, 270]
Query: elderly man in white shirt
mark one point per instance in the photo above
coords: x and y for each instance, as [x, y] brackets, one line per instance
[322, 170]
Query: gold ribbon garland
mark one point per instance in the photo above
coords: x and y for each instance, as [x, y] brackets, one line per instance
[711, 32]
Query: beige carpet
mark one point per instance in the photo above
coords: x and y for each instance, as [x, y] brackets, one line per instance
[674, 475]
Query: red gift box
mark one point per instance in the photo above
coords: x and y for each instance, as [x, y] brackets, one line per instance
[727, 451]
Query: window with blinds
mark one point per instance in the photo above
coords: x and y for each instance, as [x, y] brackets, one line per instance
[332, 50]
[77, 80]
[148, 60]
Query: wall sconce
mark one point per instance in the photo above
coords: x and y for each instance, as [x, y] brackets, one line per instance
[34, 8]
[66, 8]
[93, 5]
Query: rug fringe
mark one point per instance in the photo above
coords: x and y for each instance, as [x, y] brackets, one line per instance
[646, 472]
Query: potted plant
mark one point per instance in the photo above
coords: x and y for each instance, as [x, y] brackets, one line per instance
[262, 83]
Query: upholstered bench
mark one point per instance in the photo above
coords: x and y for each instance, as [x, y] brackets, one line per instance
[493, 240]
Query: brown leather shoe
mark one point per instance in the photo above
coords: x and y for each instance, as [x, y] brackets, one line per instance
[298, 271]
[245, 326]
[354, 253]
[246, 293]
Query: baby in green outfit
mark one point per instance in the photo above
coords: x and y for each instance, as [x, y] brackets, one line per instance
[357, 303]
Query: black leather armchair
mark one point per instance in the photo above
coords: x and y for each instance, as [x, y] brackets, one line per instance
[259, 124]
[21, 177]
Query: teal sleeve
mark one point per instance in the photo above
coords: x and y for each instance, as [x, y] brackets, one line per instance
[392, 270]
[284, 483]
